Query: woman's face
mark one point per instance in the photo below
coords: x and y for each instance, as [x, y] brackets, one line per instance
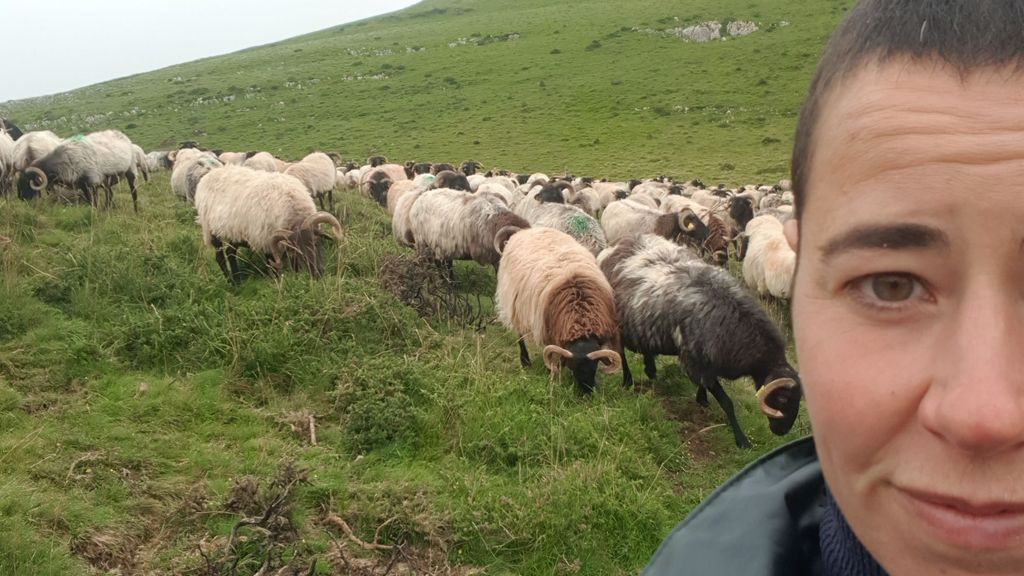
[909, 314]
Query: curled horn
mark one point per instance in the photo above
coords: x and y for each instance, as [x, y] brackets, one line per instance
[279, 244]
[172, 155]
[767, 390]
[37, 178]
[502, 236]
[614, 360]
[553, 356]
[319, 218]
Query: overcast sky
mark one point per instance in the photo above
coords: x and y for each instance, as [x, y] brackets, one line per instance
[59, 45]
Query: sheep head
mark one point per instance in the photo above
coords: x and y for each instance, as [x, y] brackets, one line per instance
[552, 192]
[583, 357]
[452, 180]
[32, 182]
[741, 210]
[779, 400]
[302, 246]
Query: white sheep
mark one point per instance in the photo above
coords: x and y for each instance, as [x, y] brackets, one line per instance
[318, 173]
[769, 262]
[86, 163]
[261, 161]
[398, 189]
[33, 146]
[625, 219]
[377, 180]
[190, 166]
[459, 225]
[567, 218]
[270, 213]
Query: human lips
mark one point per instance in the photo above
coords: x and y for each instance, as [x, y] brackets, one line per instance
[965, 523]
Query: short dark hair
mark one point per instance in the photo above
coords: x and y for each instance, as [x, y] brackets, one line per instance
[965, 34]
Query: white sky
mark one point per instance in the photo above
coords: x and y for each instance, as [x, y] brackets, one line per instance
[59, 45]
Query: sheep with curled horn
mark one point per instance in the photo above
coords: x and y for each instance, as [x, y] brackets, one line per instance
[86, 163]
[551, 292]
[625, 219]
[669, 302]
[267, 212]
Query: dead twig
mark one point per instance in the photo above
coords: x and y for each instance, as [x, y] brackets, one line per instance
[87, 457]
[312, 430]
[340, 523]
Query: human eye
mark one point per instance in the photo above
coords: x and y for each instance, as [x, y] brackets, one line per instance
[889, 292]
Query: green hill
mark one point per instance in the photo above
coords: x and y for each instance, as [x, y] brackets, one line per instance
[156, 420]
[585, 85]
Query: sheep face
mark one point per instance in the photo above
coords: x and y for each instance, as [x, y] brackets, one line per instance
[741, 210]
[379, 185]
[779, 396]
[582, 357]
[307, 252]
[452, 180]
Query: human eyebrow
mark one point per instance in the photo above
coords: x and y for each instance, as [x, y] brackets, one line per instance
[887, 237]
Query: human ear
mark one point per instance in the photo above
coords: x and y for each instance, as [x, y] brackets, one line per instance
[791, 230]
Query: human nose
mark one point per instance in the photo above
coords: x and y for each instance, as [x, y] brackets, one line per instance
[976, 399]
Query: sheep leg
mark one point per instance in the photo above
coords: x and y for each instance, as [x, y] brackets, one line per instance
[711, 383]
[231, 251]
[650, 368]
[524, 354]
[221, 260]
[130, 176]
[627, 376]
[702, 396]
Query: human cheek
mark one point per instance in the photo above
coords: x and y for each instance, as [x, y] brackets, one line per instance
[862, 379]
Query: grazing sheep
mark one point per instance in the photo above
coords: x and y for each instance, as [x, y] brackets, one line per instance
[400, 224]
[569, 219]
[264, 161]
[768, 262]
[402, 187]
[375, 161]
[141, 161]
[624, 219]
[158, 160]
[268, 212]
[452, 225]
[190, 166]
[83, 162]
[551, 292]
[319, 174]
[33, 146]
[671, 303]
[376, 181]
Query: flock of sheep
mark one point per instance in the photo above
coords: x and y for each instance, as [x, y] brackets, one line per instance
[585, 269]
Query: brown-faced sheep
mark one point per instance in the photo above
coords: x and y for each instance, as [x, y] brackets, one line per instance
[551, 291]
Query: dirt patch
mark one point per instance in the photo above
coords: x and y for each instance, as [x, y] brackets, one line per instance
[108, 550]
[400, 561]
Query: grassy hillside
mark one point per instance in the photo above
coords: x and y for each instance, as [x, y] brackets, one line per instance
[155, 419]
[586, 86]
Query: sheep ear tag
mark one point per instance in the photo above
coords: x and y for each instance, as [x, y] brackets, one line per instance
[689, 226]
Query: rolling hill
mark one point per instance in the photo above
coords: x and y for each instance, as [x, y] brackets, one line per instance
[155, 419]
[583, 85]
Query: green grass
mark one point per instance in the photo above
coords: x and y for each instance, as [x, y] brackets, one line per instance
[147, 406]
[137, 386]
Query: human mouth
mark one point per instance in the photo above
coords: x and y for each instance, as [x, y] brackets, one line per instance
[963, 523]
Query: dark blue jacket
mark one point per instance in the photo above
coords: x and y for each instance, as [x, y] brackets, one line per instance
[762, 522]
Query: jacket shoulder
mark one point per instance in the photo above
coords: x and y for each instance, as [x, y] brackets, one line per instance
[762, 521]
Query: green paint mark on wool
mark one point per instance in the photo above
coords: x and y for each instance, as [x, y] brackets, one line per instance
[77, 137]
[579, 224]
